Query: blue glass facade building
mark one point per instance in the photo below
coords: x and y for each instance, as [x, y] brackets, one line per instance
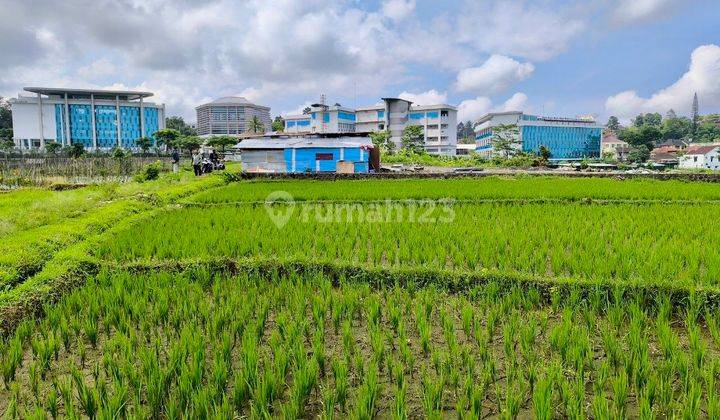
[566, 138]
[94, 118]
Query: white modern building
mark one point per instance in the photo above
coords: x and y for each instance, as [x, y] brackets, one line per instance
[566, 138]
[98, 119]
[322, 119]
[439, 122]
[701, 157]
[229, 116]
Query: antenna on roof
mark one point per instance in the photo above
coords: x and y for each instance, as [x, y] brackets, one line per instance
[322, 98]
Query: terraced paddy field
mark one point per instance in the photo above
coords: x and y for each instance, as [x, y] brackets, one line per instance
[530, 297]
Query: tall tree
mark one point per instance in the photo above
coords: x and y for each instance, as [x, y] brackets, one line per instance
[278, 124]
[5, 114]
[653, 118]
[189, 143]
[613, 124]
[639, 121]
[382, 140]
[413, 139]
[221, 141]
[178, 123]
[256, 126]
[144, 143]
[695, 115]
[460, 130]
[168, 137]
[506, 139]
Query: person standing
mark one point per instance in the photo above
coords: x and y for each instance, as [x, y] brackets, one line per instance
[197, 163]
[175, 161]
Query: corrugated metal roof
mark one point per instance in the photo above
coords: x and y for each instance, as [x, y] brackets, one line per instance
[700, 150]
[302, 143]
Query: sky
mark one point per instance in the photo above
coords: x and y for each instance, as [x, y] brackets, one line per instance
[548, 57]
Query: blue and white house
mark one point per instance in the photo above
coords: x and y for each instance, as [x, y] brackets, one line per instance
[98, 119]
[439, 122]
[305, 154]
[566, 138]
[322, 119]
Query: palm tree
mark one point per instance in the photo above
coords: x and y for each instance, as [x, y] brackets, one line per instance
[255, 125]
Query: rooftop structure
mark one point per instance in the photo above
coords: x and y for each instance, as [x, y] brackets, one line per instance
[306, 154]
[438, 122]
[97, 119]
[566, 138]
[701, 157]
[230, 115]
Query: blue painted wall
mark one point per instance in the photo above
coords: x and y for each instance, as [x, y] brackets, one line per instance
[305, 159]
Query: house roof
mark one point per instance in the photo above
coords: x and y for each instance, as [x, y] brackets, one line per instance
[612, 139]
[129, 94]
[302, 143]
[232, 100]
[700, 150]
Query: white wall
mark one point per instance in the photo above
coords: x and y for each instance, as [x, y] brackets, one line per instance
[25, 121]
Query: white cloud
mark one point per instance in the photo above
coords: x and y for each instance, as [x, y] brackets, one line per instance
[398, 9]
[472, 109]
[702, 76]
[98, 68]
[496, 74]
[430, 97]
[513, 27]
[630, 11]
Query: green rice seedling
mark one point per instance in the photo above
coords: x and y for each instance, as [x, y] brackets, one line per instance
[340, 374]
[423, 327]
[348, 340]
[87, 397]
[377, 341]
[51, 402]
[513, 399]
[433, 395]
[328, 412]
[601, 407]
[400, 412]
[11, 360]
[542, 399]
[620, 393]
[367, 395]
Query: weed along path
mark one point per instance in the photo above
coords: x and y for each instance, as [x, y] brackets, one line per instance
[374, 298]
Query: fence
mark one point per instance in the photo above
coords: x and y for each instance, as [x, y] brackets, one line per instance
[42, 170]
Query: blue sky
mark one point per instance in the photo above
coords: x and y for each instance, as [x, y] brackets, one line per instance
[599, 57]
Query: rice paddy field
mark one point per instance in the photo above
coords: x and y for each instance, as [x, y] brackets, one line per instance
[493, 297]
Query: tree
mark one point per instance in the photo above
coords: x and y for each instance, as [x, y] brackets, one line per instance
[413, 139]
[256, 126]
[178, 123]
[6, 133]
[53, 147]
[639, 121]
[647, 135]
[278, 124]
[382, 140]
[676, 128]
[653, 119]
[76, 150]
[544, 153]
[695, 115]
[221, 141]
[613, 124]
[639, 154]
[144, 143]
[506, 139]
[189, 143]
[168, 137]
[7, 145]
[5, 115]
[707, 132]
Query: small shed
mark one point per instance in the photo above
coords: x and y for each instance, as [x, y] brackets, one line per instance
[305, 155]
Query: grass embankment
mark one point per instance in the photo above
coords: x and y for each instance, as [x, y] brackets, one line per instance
[261, 344]
[40, 263]
[486, 188]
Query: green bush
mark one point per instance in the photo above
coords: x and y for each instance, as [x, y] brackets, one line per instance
[152, 171]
